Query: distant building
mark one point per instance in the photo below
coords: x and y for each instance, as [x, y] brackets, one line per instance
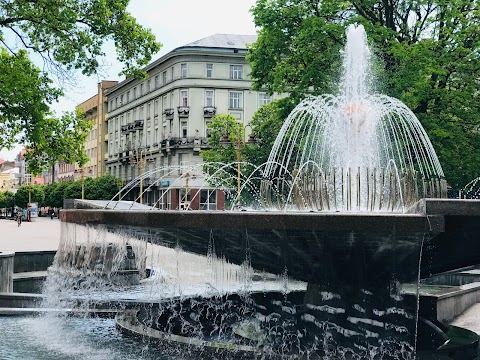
[96, 144]
[163, 120]
[8, 178]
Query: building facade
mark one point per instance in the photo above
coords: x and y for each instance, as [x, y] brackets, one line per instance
[96, 144]
[163, 120]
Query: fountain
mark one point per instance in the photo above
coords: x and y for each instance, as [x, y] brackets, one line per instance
[339, 283]
[357, 151]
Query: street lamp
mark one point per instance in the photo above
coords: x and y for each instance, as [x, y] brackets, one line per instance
[81, 171]
[239, 145]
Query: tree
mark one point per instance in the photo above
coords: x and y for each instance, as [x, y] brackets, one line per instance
[66, 35]
[22, 195]
[222, 160]
[103, 188]
[430, 61]
[267, 122]
[8, 201]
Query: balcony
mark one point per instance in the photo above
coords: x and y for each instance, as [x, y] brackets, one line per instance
[194, 143]
[209, 111]
[138, 124]
[183, 111]
[131, 126]
[169, 113]
[124, 129]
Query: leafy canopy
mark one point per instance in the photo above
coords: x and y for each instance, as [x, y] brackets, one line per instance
[429, 52]
[66, 35]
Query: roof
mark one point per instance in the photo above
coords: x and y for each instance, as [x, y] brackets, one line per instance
[216, 41]
[225, 41]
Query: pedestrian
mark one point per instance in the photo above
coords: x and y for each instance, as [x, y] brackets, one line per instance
[52, 214]
[19, 219]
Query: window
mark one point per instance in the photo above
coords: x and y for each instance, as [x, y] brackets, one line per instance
[121, 100]
[164, 77]
[149, 85]
[149, 110]
[236, 71]
[209, 70]
[134, 93]
[184, 129]
[116, 102]
[155, 108]
[140, 115]
[164, 102]
[208, 199]
[263, 99]
[111, 105]
[183, 68]
[172, 72]
[141, 89]
[157, 81]
[183, 98]
[208, 130]
[128, 96]
[209, 98]
[235, 100]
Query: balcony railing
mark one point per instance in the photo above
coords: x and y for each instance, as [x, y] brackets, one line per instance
[169, 113]
[183, 111]
[138, 124]
[124, 128]
[209, 111]
[131, 126]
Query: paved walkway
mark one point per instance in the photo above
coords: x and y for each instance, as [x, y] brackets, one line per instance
[41, 234]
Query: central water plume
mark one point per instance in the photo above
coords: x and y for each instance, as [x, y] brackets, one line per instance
[357, 151]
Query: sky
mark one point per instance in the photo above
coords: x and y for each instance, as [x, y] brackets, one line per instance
[174, 23]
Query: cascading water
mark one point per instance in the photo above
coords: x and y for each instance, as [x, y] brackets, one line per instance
[357, 151]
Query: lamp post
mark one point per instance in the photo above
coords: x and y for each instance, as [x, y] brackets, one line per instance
[82, 177]
[239, 145]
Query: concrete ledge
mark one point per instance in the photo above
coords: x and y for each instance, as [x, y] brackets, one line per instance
[72, 312]
[325, 221]
[29, 282]
[6, 271]
[445, 303]
[19, 300]
[27, 261]
[457, 207]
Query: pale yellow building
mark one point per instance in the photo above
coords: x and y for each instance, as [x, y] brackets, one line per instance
[96, 143]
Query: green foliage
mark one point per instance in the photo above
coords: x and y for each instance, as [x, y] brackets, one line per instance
[3, 200]
[221, 126]
[266, 123]
[66, 35]
[59, 140]
[7, 199]
[36, 193]
[70, 34]
[102, 188]
[73, 190]
[57, 194]
[25, 95]
[430, 54]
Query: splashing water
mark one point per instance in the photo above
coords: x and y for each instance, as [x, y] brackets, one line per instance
[357, 151]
